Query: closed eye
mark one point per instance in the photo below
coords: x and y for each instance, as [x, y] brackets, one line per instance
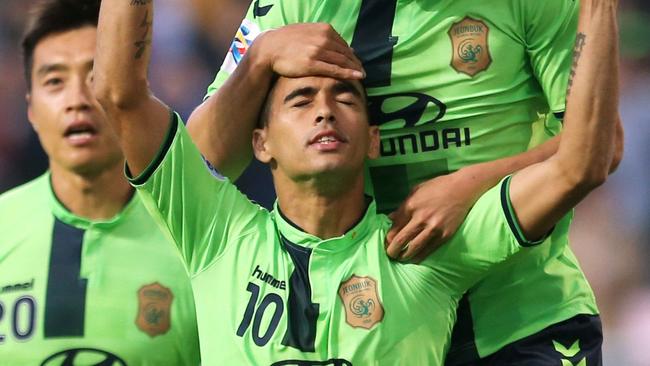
[301, 103]
[345, 101]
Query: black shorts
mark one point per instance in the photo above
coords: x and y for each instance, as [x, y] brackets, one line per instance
[576, 341]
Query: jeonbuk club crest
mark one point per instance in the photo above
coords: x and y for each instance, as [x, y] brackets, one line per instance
[154, 306]
[469, 42]
[363, 308]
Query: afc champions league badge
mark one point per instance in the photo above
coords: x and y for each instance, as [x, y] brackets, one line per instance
[242, 41]
[469, 42]
[154, 307]
[363, 308]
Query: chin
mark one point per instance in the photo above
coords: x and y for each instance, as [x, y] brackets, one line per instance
[91, 164]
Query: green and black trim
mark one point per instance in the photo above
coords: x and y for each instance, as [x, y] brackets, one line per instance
[511, 217]
[160, 155]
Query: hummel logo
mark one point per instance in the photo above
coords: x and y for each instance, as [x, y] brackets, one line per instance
[17, 287]
[570, 352]
[268, 278]
[260, 11]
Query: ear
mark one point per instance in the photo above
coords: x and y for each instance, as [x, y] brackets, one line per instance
[259, 145]
[375, 141]
[30, 114]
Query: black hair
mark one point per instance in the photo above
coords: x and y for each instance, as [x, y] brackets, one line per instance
[49, 17]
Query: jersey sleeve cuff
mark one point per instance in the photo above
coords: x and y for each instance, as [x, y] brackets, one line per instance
[160, 155]
[511, 218]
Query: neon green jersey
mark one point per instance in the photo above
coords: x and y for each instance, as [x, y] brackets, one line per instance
[449, 86]
[79, 292]
[452, 83]
[268, 293]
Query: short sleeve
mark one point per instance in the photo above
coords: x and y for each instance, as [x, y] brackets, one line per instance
[199, 208]
[550, 30]
[489, 235]
[262, 16]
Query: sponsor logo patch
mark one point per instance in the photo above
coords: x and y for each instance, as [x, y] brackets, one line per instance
[363, 308]
[154, 306]
[470, 51]
[243, 40]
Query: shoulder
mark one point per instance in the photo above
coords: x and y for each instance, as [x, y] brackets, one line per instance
[25, 197]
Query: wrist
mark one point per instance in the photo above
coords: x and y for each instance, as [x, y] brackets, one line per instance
[259, 59]
[477, 178]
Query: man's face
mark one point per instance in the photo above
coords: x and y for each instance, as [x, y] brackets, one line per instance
[70, 124]
[316, 125]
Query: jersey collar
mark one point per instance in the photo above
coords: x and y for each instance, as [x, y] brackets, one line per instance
[63, 213]
[355, 235]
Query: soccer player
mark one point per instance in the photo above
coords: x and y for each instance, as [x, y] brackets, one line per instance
[309, 283]
[451, 84]
[86, 276]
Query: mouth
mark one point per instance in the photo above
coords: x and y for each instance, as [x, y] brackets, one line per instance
[327, 141]
[326, 138]
[80, 133]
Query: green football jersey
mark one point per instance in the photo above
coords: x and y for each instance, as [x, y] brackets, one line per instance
[78, 292]
[268, 293]
[453, 83]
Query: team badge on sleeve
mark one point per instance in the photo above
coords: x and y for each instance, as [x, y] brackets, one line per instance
[154, 307]
[243, 40]
[363, 309]
[469, 43]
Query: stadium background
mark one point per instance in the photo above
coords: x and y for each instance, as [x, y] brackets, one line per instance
[610, 233]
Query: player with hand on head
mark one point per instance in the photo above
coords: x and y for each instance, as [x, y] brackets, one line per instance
[450, 84]
[309, 283]
[86, 276]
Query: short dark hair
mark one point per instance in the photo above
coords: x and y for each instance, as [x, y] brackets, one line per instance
[48, 17]
[263, 119]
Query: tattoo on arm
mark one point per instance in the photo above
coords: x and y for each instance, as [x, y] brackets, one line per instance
[577, 50]
[145, 25]
[140, 2]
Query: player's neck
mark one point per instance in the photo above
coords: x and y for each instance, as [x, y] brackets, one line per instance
[322, 210]
[96, 197]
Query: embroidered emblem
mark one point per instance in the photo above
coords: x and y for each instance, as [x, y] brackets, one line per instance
[154, 306]
[469, 42]
[363, 308]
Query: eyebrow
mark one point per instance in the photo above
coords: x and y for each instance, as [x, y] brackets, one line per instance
[340, 87]
[47, 68]
[300, 92]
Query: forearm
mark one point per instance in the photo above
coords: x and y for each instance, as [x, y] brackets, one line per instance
[484, 176]
[589, 140]
[619, 146]
[223, 125]
[543, 193]
[120, 72]
[123, 51]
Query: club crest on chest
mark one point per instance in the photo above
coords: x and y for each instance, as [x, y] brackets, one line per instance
[154, 307]
[469, 44]
[360, 297]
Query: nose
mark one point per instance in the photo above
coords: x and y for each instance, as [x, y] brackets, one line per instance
[325, 113]
[79, 96]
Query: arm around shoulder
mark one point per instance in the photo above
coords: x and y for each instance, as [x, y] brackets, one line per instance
[590, 144]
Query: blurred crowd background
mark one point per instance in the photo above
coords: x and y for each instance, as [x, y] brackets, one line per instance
[611, 229]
